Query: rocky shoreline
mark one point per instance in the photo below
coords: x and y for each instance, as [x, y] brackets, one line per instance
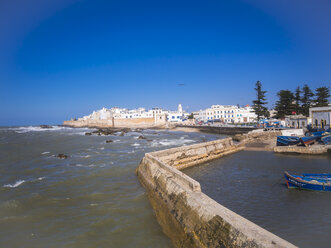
[255, 140]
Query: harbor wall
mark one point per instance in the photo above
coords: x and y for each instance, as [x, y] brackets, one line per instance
[121, 123]
[315, 149]
[188, 216]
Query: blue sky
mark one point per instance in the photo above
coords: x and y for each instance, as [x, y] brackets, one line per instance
[66, 58]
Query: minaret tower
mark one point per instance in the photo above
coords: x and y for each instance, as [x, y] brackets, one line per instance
[180, 108]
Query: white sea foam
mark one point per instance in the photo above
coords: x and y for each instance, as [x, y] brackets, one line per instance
[80, 131]
[52, 156]
[38, 179]
[82, 156]
[37, 129]
[45, 153]
[171, 142]
[135, 144]
[16, 184]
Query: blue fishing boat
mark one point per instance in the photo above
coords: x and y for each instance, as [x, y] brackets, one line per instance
[308, 140]
[319, 182]
[287, 140]
[318, 134]
[326, 139]
[314, 175]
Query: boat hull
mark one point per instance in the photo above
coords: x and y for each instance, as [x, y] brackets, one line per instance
[287, 140]
[326, 139]
[306, 141]
[308, 183]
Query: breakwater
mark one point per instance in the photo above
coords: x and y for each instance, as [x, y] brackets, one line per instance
[187, 215]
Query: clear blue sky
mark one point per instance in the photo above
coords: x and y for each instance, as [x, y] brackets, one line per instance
[65, 58]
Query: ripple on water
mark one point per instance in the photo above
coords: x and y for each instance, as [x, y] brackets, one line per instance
[91, 199]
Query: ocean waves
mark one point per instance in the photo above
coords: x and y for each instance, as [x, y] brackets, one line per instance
[14, 185]
[20, 182]
[55, 128]
[95, 183]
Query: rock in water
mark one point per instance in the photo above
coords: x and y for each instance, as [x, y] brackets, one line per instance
[109, 141]
[141, 137]
[45, 126]
[88, 133]
[62, 156]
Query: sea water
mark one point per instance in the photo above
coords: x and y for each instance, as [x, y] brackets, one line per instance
[91, 199]
[252, 185]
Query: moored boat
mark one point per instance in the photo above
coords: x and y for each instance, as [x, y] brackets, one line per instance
[308, 140]
[318, 134]
[318, 182]
[326, 139]
[287, 140]
[314, 175]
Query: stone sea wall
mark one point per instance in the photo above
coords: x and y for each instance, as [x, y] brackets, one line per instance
[312, 150]
[117, 123]
[188, 216]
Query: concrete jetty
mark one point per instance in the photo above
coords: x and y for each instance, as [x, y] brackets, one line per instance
[188, 216]
[315, 149]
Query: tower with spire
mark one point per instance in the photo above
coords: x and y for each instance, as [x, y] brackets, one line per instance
[180, 109]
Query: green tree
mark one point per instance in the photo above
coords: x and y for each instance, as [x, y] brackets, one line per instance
[259, 104]
[285, 105]
[190, 116]
[297, 99]
[306, 100]
[322, 94]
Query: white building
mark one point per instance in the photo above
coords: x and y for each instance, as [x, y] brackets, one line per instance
[321, 117]
[123, 113]
[176, 116]
[227, 114]
[297, 121]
